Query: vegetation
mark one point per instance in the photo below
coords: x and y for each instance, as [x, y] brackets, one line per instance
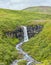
[7, 50]
[37, 47]
[46, 62]
[23, 62]
[40, 9]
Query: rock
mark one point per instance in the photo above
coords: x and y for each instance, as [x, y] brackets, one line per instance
[32, 30]
[18, 32]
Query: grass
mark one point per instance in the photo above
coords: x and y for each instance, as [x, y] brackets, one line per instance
[39, 47]
[23, 62]
[9, 20]
[8, 51]
[40, 9]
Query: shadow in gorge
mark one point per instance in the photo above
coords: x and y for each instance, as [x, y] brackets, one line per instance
[18, 32]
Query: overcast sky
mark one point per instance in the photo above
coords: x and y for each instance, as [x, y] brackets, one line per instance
[20, 4]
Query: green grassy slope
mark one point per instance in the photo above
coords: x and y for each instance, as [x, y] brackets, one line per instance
[39, 47]
[9, 20]
[7, 50]
[23, 62]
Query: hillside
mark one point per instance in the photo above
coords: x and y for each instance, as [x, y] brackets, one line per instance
[39, 47]
[43, 9]
[9, 20]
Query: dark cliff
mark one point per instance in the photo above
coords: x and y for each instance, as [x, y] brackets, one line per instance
[18, 32]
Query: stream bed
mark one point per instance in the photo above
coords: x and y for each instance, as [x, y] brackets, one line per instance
[26, 57]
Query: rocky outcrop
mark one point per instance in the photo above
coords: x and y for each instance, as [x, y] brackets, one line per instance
[32, 30]
[18, 32]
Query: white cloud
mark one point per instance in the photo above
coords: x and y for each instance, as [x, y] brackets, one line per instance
[20, 4]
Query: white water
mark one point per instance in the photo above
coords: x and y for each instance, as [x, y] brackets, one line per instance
[25, 34]
[26, 57]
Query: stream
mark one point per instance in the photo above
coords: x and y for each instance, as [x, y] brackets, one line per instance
[26, 57]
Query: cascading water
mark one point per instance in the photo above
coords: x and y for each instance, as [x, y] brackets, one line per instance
[25, 34]
[26, 57]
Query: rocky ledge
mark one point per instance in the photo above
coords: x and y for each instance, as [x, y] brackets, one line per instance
[18, 32]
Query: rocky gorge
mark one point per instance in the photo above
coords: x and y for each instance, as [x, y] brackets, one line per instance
[18, 32]
[23, 33]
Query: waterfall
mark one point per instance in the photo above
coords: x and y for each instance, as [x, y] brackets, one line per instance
[25, 34]
[26, 57]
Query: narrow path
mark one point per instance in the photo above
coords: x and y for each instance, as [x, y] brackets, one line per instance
[26, 57]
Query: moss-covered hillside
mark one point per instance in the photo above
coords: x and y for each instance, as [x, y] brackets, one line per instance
[39, 46]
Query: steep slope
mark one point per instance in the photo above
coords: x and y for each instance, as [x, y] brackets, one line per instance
[39, 47]
[9, 20]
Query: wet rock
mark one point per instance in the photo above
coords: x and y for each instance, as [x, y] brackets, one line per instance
[32, 30]
[18, 32]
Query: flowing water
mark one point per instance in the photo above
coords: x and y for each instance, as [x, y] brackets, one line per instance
[26, 57]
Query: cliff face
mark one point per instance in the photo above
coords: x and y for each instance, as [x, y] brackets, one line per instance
[32, 30]
[18, 33]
